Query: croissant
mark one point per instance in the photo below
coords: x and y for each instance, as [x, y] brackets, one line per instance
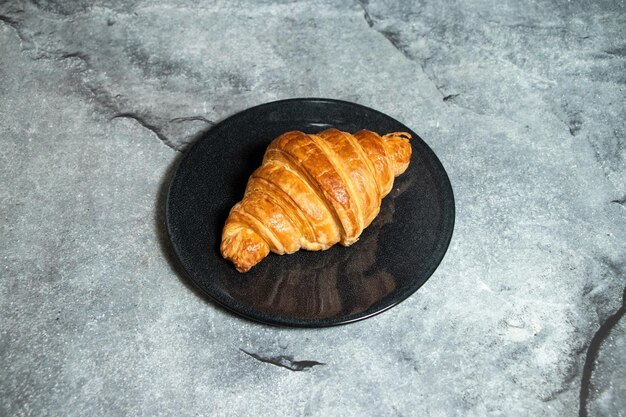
[313, 191]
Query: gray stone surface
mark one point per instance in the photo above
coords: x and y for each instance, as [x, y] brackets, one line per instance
[607, 396]
[522, 101]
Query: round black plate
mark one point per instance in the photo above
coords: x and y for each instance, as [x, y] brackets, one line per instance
[395, 255]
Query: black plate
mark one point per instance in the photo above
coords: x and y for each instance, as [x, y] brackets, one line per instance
[396, 254]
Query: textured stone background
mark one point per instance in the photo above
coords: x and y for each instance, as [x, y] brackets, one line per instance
[523, 101]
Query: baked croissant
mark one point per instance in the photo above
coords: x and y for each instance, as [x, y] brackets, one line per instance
[313, 191]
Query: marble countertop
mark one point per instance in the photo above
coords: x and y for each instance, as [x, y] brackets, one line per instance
[523, 102]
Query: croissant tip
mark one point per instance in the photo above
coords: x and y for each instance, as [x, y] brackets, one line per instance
[243, 247]
[242, 268]
[401, 135]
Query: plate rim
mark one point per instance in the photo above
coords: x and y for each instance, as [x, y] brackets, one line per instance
[281, 321]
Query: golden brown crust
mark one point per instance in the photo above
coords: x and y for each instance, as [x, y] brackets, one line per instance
[313, 191]
[314, 158]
